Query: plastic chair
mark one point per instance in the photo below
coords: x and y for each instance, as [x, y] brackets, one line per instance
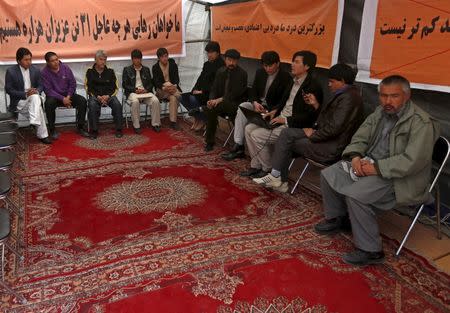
[441, 153]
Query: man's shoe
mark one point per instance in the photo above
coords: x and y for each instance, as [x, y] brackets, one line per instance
[284, 187]
[82, 132]
[119, 133]
[329, 227]
[93, 135]
[136, 130]
[238, 151]
[46, 140]
[54, 135]
[209, 147]
[362, 258]
[174, 126]
[334, 226]
[156, 128]
[269, 181]
[251, 171]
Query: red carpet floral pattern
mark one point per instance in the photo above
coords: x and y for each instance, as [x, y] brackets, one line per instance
[159, 225]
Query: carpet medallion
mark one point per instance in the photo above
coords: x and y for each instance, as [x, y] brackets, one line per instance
[151, 223]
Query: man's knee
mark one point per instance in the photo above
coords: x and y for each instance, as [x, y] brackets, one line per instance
[51, 103]
[93, 105]
[35, 99]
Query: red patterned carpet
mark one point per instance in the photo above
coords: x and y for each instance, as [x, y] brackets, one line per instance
[151, 223]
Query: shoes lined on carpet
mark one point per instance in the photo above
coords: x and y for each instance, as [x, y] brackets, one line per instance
[253, 173]
[118, 133]
[94, 134]
[174, 126]
[156, 128]
[54, 135]
[137, 130]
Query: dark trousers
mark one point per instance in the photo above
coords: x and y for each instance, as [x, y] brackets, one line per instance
[293, 143]
[95, 109]
[223, 108]
[190, 101]
[78, 102]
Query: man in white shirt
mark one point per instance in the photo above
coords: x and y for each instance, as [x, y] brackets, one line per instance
[23, 85]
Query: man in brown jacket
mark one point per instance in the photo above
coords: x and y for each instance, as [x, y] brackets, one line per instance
[337, 122]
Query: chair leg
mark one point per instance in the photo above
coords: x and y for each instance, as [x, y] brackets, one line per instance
[290, 165]
[409, 230]
[229, 136]
[299, 178]
[438, 212]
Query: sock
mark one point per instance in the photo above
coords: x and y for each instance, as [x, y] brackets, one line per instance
[275, 173]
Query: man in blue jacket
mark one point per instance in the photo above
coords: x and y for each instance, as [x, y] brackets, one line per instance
[23, 85]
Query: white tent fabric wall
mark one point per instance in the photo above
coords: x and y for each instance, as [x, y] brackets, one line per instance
[196, 28]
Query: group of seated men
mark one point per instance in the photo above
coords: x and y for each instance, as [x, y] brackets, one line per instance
[375, 164]
[24, 84]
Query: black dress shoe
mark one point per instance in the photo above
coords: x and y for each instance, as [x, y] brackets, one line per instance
[330, 226]
[209, 147]
[362, 258]
[54, 135]
[82, 132]
[138, 130]
[251, 171]
[238, 152]
[119, 133]
[93, 135]
[46, 140]
[156, 128]
[174, 126]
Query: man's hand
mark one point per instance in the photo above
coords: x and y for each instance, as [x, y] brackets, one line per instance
[67, 102]
[139, 91]
[357, 166]
[259, 107]
[308, 131]
[212, 103]
[278, 120]
[270, 115]
[31, 91]
[311, 100]
[197, 92]
[368, 168]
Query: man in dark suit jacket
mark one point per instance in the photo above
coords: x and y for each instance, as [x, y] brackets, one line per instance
[23, 85]
[196, 100]
[137, 85]
[228, 91]
[166, 80]
[293, 112]
[326, 140]
[265, 95]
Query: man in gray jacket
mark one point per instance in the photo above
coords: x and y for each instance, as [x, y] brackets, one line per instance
[391, 159]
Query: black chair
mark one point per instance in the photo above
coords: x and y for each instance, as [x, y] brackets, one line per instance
[441, 153]
[5, 233]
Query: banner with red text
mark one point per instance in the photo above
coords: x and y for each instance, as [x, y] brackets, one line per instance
[406, 37]
[285, 26]
[76, 29]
